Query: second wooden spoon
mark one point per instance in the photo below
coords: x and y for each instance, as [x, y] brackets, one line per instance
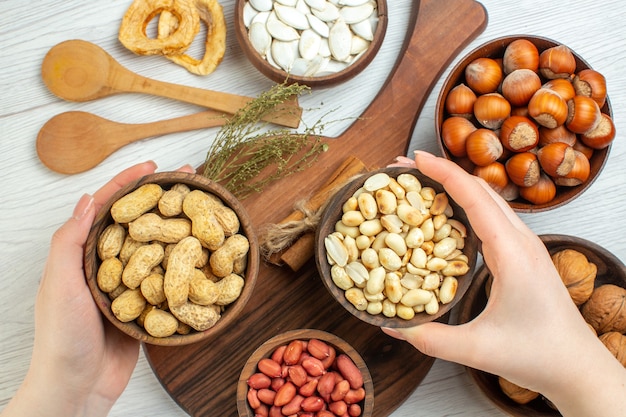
[77, 141]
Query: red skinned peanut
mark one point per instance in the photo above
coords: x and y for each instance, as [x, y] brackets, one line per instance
[313, 366]
[340, 390]
[326, 384]
[309, 388]
[277, 383]
[262, 411]
[349, 371]
[318, 349]
[297, 375]
[275, 411]
[253, 398]
[266, 396]
[313, 404]
[354, 410]
[270, 367]
[277, 355]
[340, 408]
[285, 394]
[294, 406]
[293, 352]
[259, 380]
[354, 396]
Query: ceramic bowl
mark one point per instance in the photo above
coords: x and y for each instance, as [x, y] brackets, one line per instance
[167, 179]
[318, 70]
[495, 49]
[266, 350]
[610, 271]
[333, 213]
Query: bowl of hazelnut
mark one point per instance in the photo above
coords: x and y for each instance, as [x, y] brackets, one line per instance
[394, 250]
[528, 115]
[315, 43]
[596, 281]
[305, 371]
[171, 258]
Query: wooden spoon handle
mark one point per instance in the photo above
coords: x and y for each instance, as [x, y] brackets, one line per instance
[125, 80]
[202, 120]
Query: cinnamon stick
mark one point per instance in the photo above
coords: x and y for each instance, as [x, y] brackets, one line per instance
[302, 249]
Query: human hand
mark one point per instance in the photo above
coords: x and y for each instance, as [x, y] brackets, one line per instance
[530, 331]
[80, 363]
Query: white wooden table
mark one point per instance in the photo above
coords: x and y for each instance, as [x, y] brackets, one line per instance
[34, 201]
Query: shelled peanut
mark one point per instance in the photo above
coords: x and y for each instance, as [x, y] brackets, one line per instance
[396, 250]
[306, 378]
[172, 259]
[527, 122]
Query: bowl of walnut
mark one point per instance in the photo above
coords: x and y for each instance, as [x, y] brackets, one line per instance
[596, 281]
[171, 258]
[394, 250]
[529, 116]
[305, 372]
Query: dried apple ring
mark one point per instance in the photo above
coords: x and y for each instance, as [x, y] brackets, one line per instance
[211, 13]
[133, 34]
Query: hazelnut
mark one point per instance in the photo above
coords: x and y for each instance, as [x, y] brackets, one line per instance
[518, 394]
[615, 342]
[577, 273]
[606, 309]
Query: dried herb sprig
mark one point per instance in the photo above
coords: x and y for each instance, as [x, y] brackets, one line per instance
[246, 156]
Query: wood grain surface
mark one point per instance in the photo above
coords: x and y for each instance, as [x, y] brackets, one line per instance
[36, 201]
[283, 300]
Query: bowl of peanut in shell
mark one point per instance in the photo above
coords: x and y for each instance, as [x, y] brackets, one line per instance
[171, 258]
[394, 249]
[596, 281]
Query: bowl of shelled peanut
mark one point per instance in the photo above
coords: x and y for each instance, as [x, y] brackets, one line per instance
[171, 258]
[596, 282]
[305, 372]
[394, 250]
[529, 116]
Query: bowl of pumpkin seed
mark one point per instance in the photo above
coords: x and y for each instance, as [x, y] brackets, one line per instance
[316, 43]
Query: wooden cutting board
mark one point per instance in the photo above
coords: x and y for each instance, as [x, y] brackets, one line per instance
[202, 378]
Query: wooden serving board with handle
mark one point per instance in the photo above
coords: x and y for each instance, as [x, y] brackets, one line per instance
[202, 378]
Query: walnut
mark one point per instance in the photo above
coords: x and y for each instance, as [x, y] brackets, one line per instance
[616, 344]
[606, 309]
[518, 394]
[577, 273]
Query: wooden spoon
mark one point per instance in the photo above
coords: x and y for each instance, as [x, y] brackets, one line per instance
[77, 70]
[76, 141]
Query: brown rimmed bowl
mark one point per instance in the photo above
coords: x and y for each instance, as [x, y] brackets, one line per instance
[166, 180]
[333, 212]
[611, 270]
[495, 49]
[324, 79]
[266, 349]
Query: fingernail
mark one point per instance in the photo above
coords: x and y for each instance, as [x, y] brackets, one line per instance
[187, 168]
[393, 333]
[83, 206]
[423, 154]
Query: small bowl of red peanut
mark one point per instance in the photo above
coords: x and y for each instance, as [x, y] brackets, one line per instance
[171, 258]
[305, 372]
[394, 250]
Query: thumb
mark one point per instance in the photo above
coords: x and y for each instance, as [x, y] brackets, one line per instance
[436, 339]
[66, 247]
